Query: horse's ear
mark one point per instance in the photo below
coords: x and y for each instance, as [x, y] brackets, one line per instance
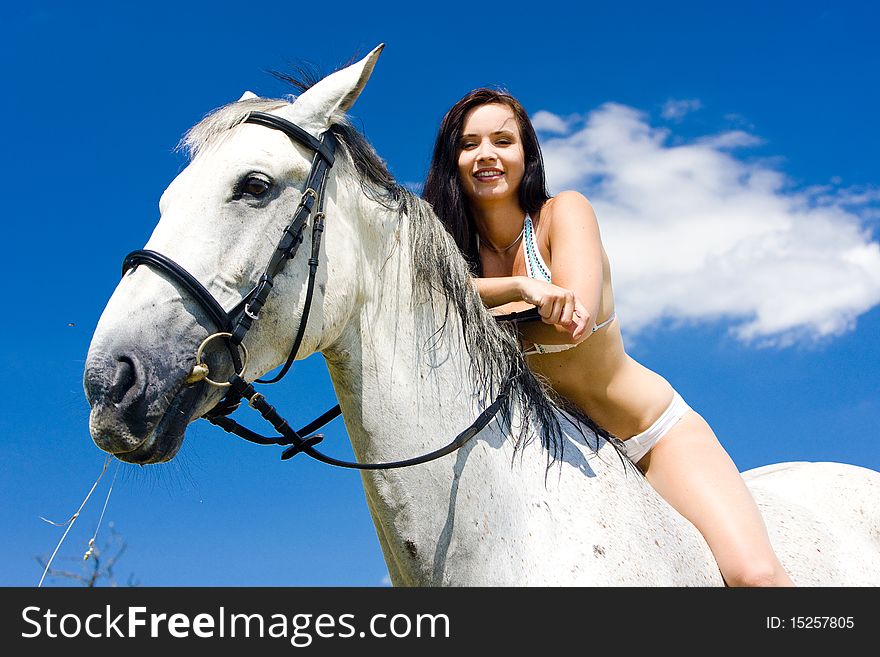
[247, 95]
[325, 103]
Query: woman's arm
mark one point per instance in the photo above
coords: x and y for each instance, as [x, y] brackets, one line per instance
[564, 317]
[499, 290]
[576, 250]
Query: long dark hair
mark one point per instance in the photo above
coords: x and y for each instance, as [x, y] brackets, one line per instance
[443, 188]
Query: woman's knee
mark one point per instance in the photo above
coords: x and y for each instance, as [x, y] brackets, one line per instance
[754, 573]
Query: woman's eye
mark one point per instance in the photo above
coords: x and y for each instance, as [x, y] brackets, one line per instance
[254, 186]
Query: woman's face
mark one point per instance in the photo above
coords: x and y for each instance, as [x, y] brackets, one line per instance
[491, 159]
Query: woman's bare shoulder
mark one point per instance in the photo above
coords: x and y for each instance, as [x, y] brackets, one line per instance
[570, 198]
[571, 209]
[563, 202]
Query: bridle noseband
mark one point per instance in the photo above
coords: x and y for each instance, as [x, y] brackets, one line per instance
[233, 325]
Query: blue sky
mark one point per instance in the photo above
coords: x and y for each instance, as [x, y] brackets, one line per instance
[755, 115]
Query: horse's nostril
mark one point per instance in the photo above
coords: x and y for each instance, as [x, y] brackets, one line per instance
[116, 385]
[124, 379]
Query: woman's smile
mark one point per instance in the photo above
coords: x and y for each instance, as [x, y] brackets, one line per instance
[488, 175]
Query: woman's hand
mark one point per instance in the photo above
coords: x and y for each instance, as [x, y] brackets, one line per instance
[557, 306]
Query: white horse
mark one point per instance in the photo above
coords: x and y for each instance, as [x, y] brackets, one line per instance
[414, 357]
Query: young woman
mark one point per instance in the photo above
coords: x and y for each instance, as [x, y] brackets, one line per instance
[486, 183]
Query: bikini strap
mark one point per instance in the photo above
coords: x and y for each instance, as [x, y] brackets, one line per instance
[535, 265]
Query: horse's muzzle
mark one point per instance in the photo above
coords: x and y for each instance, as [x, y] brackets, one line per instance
[140, 407]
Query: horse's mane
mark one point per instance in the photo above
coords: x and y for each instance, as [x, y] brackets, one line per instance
[437, 267]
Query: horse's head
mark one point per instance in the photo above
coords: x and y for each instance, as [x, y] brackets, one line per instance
[221, 219]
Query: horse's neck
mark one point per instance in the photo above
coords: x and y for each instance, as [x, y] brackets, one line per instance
[477, 516]
[405, 393]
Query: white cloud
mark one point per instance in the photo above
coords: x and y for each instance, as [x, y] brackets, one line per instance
[547, 122]
[739, 120]
[677, 109]
[731, 139]
[695, 233]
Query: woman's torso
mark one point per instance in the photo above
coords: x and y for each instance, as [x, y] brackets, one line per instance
[598, 375]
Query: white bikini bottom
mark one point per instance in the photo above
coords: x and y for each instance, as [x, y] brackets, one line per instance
[637, 446]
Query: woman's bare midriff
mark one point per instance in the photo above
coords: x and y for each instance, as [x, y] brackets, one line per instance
[618, 393]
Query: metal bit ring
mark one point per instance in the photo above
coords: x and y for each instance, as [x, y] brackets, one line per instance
[200, 369]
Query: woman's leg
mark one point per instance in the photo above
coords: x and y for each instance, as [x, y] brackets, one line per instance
[692, 471]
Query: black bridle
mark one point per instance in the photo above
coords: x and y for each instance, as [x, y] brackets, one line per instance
[234, 325]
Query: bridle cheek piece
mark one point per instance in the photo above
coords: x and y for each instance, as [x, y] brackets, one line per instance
[233, 325]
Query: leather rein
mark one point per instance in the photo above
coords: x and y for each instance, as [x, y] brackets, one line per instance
[233, 325]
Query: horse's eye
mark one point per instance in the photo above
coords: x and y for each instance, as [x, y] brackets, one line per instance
[255, 186]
